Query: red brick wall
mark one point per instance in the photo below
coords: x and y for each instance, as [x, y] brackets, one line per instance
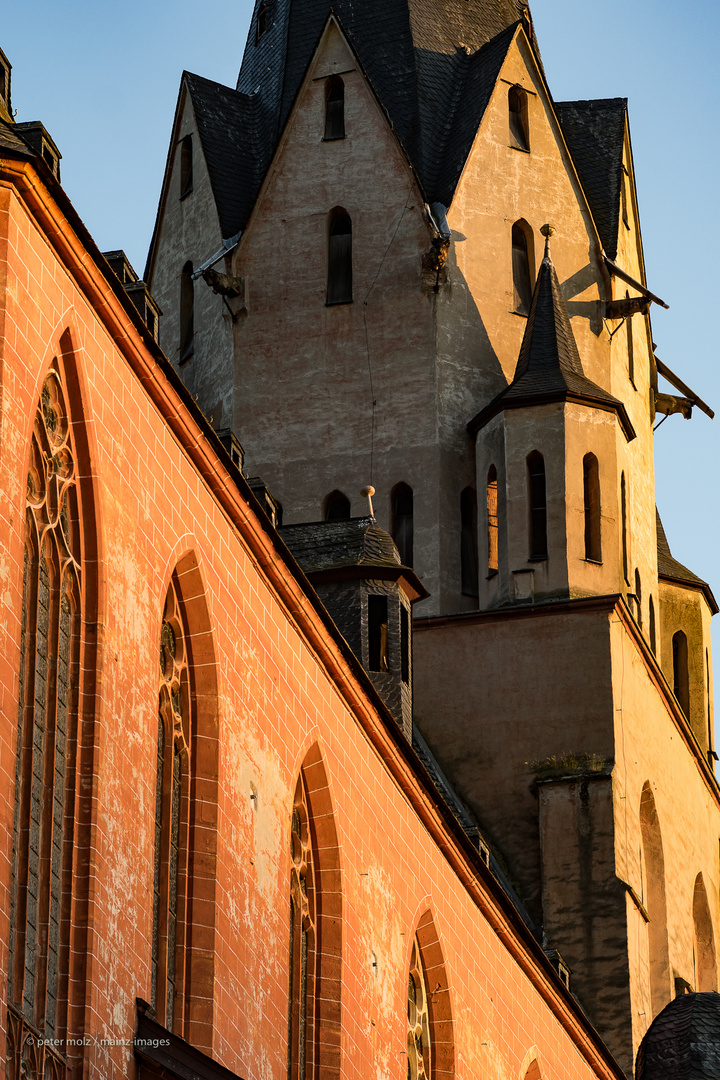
[285, 695]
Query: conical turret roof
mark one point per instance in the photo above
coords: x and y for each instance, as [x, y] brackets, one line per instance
[549, 367]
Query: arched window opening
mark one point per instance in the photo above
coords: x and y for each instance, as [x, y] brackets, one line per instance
[378, 653]
[468, 542]
[492, 521]
[651, 626]
[334, 108]
[709, 708]
[703, 940]
[623, 527]
[518, 114]
[681, 676]
[261, 26]
[653, 897]
[337, 506]
[315, 956]
[55, 701]
[522, 261]
[187, 313]
[401, 501]
[591, 491]
[181, 973]
[537, 504]
[430, 1033]
[638, 598]
[404, 644]
[339, 263]
[186, 166]
[624, 198]
[533, 1071]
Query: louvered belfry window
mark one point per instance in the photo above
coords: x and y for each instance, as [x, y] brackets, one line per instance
[339, 263]
[47, 748]
[170, 893]
[302, 940]
[334, 109]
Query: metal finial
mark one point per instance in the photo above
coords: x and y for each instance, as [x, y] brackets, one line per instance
[547, 231]
[367, 493]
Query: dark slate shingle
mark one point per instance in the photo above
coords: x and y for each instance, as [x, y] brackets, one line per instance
[683, 1041]
[595, 134]
[330, 545]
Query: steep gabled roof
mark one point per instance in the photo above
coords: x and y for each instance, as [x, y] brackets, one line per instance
[671, 570]
[595, 134]
[549, 366]
[228, 127]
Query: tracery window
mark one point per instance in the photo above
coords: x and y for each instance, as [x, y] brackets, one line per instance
[419, 1050]
[302, 939]
[170, 893]
[46, 762]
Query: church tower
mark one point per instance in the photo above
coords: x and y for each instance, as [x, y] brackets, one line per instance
[360, 284]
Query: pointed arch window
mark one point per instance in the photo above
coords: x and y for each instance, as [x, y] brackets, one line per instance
[315, 954]
[334, 108]
[337, 506]
[339, 258]
[638, 598]
[402, 506]
[56, 604]
[186, 166]
[522, 261]
[468, 542]
[591, 492]
[492, 520]
[653, 897]
[187, 313]
[651, 626]
[681, 676]
[537, 505]
[704, 952]
[182, 975]
[518, 116]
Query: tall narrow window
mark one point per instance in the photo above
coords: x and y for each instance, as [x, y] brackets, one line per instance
[651, 626]
[704, 954]
[518, 114]
[187, 313]
[624, 198]
[261, 26]
[337, 506]
[402, 521]
[653, 897]
[709, 710]
[302, 938]
[419, 1050]
[334, 108]
[537, 506]
[522, 254]
[182, 972]
[468, 542]
[339, 262]
[591, 492]
[681, 679]
[638, 598]
[405, 644]
[624, 527]
[52, 681]
[492, 520]
[378, 655]
[186, 166]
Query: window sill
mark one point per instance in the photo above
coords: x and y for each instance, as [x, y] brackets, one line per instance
[337, 303]
[595, 562]
[186, 356]
[491, 575]
[334, 138]
[520, 314]
[520, 148]
[537, 558]
[188, 191]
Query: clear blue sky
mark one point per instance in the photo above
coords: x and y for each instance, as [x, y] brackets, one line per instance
[103, 77]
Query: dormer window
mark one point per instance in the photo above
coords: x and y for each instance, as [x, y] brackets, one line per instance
[261, 25]
[334, 109]
[518, 117]
[186, 166]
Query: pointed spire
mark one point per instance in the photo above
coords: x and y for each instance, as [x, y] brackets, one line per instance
[549, 367]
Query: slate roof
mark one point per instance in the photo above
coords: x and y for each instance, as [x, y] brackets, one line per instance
[595, 134]
[549, 366]
[683, 1041]
[330, 545]
[228, 126]
[672, 570]
[10, 140]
